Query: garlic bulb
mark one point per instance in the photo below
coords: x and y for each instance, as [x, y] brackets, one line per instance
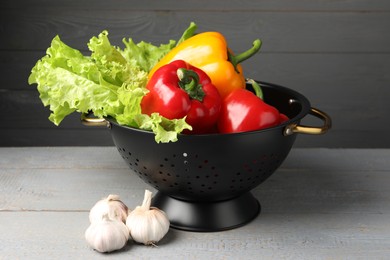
[112, 206]
[147, 225]
[107, 234]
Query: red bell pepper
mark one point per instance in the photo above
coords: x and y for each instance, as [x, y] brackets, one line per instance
[178, 90]
[243, 111]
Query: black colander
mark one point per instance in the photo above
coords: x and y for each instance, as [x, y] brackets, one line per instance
[204, 181]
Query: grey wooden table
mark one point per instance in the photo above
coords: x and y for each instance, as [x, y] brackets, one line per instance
[320, 204]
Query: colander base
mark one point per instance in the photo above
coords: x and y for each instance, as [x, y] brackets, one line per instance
[208, 216]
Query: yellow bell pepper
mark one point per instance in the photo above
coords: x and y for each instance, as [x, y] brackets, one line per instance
[209, 52]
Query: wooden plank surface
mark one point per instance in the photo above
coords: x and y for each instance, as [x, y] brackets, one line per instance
[302, 32]
[334, 52]
[205, 5]
[321, 204]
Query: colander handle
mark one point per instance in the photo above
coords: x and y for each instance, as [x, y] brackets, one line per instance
[302, 129]
[93, 121]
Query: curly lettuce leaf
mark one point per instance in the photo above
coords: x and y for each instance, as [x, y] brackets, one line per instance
[68, 82]
[110, 82]
[146, 55]
[164, 129]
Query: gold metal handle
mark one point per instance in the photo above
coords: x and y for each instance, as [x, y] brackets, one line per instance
[89, 121]
[302, 129]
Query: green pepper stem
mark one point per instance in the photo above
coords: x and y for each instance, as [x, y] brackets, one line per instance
[189, 82]
[236, 59]
[256, 87]
[188, 33]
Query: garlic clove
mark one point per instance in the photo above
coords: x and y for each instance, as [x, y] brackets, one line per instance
[107, 235]
[112, 205]
[147, 225]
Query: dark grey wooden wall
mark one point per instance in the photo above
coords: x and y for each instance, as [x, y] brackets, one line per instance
[335, 52]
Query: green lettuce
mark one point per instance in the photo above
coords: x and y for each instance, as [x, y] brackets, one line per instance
[111, 82]
[146, 54]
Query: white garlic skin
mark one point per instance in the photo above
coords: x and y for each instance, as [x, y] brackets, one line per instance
[147, 225]
[107, 235]
[112, 205]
